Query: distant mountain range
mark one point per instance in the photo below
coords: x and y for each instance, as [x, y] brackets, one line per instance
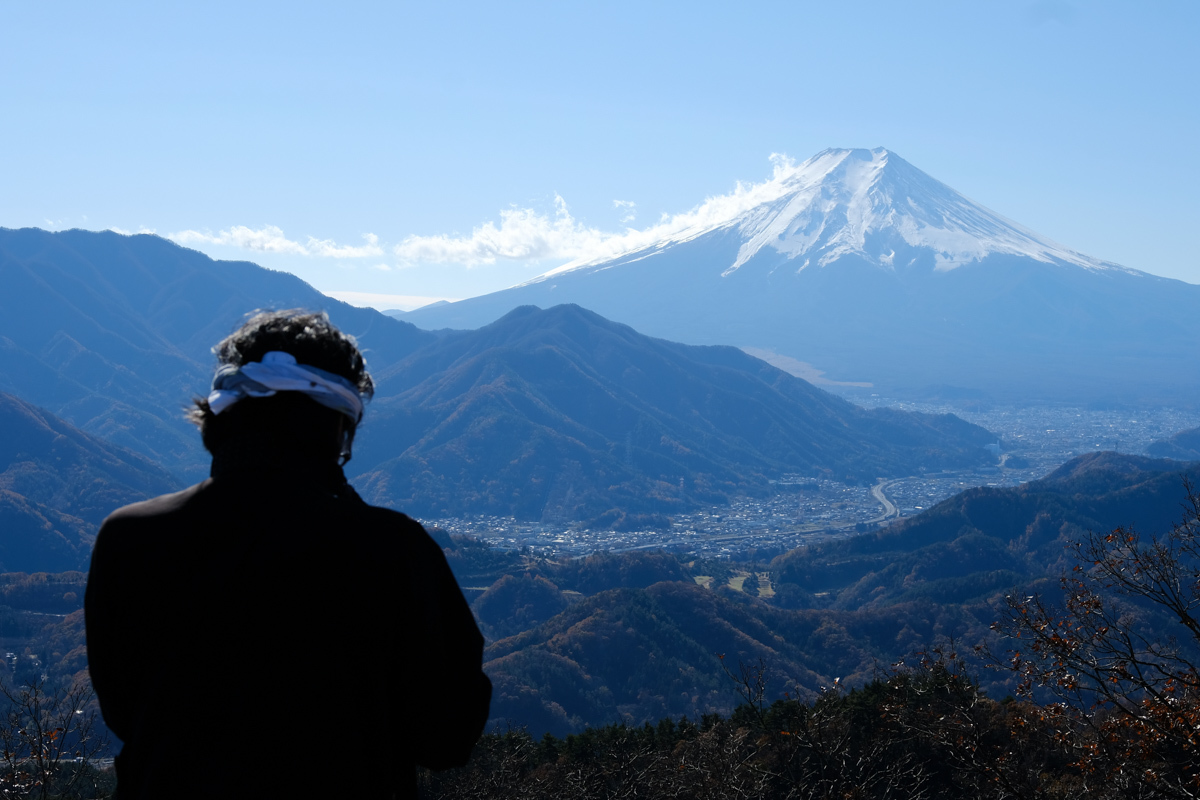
[859, 265]
[57, 484]
[112, 332]
[557, 415]
[563, 415]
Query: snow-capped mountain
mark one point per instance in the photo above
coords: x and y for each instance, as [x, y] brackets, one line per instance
[860, 266]
[871, 204]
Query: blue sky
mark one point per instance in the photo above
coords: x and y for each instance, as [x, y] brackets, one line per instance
[362, 145]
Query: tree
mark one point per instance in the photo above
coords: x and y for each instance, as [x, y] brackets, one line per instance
[838, 746]
[1126, 692]
[972, 745]
[49, 739]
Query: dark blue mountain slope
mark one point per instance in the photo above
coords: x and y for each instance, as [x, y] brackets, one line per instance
[562, 414]
[57, 484]
[113, 332]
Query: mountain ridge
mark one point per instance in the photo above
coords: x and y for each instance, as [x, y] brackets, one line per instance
[986, 538]
[867, 290]
[57, 484]
[593, 415]
[1183, 446]
[113, 332]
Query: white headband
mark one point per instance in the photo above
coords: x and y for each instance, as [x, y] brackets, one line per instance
[279, 372]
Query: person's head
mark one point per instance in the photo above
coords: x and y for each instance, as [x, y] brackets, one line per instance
[285, 420]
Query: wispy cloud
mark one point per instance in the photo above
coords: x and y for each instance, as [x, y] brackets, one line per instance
[526, 235]
[140, 230]
[523, 235]
[328, 249]
[629, 208]
[271, 239]
[267, 239]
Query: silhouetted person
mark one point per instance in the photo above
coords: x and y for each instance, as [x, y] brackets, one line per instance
[266, 633]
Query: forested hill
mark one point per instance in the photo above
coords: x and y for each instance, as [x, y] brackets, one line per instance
[1184, 446]
[57, 484]
[985, 539]
[562, 414]
[843, 609]
[112, 332]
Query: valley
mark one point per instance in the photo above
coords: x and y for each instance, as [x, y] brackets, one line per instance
[1035, 441]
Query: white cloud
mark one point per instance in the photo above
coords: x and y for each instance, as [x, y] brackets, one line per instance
[267, 239]
[124, 232]
[629, 209]
[523, 235]
[328, 249]
[526, 235]
[271, 239]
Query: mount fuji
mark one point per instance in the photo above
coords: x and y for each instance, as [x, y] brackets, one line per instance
[856, 269]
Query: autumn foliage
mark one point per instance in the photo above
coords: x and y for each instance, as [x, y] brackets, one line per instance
[1118, 660]
[1107, 705]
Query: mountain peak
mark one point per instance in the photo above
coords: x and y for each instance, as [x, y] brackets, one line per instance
[861, 265]
[868, 204]
[876, 206]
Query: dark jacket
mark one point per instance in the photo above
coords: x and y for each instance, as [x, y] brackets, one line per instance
[266, 633]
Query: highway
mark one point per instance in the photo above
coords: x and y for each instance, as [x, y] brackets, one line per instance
[889, 508]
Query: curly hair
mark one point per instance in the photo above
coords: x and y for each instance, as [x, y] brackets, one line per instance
[313, 340]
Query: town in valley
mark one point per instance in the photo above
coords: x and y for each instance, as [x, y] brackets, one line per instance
[1032, 442]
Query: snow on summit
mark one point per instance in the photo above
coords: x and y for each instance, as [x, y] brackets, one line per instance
[871, 204]
[859, 269]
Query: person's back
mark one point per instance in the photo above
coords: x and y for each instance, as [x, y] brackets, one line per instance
[266, 633]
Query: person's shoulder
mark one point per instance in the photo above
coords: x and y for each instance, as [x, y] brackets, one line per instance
[155, 507]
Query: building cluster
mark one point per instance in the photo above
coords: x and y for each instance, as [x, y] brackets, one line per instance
[1033, 441]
